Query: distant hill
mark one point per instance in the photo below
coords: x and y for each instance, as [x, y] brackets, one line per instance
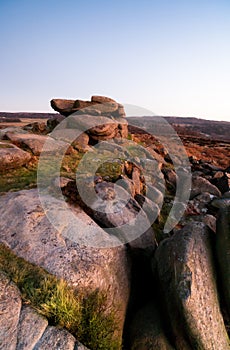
[23, 115]
[192, 127]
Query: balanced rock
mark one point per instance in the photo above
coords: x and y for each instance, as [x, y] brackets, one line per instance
[185, 265]
[115, 125]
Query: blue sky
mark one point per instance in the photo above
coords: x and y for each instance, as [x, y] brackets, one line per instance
[171, 57]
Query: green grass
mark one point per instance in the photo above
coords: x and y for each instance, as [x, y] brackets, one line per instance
[18, 179]
[25, 177]
[83, 315]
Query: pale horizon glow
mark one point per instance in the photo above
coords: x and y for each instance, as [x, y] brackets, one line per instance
[169, 57]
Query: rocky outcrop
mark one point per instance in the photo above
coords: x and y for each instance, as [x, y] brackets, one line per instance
[185, 266]
[102, 118]
[12, 157]
[68, 251]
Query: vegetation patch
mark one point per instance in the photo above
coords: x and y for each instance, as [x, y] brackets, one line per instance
[18, 179]
[82, 315]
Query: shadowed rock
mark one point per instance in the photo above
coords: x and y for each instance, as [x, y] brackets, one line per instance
[146, 331]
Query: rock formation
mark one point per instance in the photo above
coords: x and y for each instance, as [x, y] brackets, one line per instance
[100, 109]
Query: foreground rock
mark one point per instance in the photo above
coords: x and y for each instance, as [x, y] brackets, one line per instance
[187, 277]
[64, 252]
[12, 157]
[22, 328]
[10, 306]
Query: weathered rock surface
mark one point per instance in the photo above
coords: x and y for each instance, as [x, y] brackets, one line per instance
[54, 338]
[114, 208]
[12, 157]
[30, 328]
[146, 331]
[76, 138]
[187, 276]
[65, 251]
[13, 129]
[10, 306]
[35, 143]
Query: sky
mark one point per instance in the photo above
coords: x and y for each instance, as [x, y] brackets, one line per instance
[170, 57]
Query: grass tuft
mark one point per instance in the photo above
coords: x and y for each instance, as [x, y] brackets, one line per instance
[82, 315]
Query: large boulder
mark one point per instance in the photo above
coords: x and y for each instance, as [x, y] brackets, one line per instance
[12, 157]
[185, 266]
[69, 251]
